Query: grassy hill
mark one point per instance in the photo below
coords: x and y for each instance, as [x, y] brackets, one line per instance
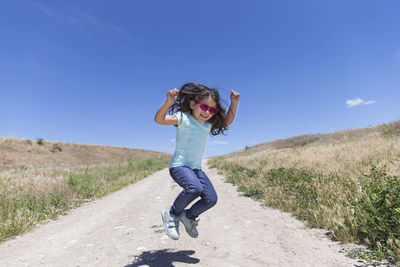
[347, 182]
[40, 179]
[20, 153]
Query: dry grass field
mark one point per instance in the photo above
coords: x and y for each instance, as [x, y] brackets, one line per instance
[19, 153]
[349, 153]
[347, 182]
[40, 179]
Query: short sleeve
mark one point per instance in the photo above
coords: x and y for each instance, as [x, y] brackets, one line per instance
[179, 116]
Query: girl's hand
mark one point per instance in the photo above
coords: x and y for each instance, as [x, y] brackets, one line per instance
[172, 95]
[235, 97]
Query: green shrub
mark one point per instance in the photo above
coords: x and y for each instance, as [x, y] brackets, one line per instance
[20, 213]
[378, 211]
[391, 129]
[39, 141]
[84, 184]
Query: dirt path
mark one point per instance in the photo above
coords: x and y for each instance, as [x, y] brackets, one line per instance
[124, 229]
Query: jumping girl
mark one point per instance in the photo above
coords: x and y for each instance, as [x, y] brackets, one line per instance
[198, 113]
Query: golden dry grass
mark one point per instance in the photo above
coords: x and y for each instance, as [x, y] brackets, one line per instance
[24, 164]
[349, 152]
[16, 152]
[39, 180]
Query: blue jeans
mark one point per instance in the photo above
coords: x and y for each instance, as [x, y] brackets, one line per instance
[195, 184]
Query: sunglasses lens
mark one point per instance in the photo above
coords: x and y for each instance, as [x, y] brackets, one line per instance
[203, 107]
[213, 111]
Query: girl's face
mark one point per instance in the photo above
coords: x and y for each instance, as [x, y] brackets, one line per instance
[199, 114]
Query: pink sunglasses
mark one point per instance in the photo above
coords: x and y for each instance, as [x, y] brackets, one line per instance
[205, 107]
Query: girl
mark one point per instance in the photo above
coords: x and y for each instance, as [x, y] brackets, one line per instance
[198, 114]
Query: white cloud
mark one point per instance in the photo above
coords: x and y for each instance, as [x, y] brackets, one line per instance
[220, 142]
[369, 102]
[354, 102]
[358, 101]
[173, 140]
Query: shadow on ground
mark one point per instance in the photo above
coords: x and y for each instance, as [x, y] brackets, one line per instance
[165, 257]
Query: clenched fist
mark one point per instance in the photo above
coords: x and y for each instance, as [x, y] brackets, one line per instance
[172, 95]
[235, 97]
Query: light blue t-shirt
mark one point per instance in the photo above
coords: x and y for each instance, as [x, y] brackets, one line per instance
[191, 140]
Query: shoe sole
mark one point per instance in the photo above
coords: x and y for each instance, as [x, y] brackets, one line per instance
[190, 233]
[165, 227]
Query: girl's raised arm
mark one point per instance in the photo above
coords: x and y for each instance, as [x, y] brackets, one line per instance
[161, 116]
[232, 109]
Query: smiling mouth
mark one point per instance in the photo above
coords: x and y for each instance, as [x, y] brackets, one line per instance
[204, 117]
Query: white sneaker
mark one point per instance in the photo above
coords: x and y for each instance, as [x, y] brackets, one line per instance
[171, 224]
[190, 225]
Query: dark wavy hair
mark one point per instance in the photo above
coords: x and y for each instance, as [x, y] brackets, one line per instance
[196, 92]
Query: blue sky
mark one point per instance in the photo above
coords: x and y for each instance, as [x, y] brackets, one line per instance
[96, 71]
